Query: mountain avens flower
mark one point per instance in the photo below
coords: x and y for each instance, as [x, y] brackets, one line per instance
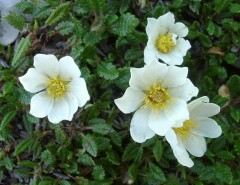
[158, 93]
[60, 90]
[165, 40]
[188, 135]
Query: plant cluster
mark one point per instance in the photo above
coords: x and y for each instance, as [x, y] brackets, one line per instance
[106, 39]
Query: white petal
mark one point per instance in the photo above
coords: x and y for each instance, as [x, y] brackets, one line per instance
[195, 145]
[185, 91]
[164, 57]
[207, 127]
[165, 22]
[33, 81]
[68, 69]
[152, 27]
[144, 78]
[78, 88]
[175, 76]
[41, 105]
[199, 108]
[181, 48]
[182, 155]
[130, 101]
[171, 137]
[172, 59]
[177, 110]
[59, 112]
[47, 64]
[139, 129]
[179, 29]
[149, 55]
[159, 123]
[72, 104]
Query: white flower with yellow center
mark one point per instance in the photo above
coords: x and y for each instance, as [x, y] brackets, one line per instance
[165, 40]
[60, 90]
[189, 135]
[158, 93]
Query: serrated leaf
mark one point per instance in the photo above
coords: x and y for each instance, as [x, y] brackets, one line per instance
[231, 58]
[211, 28]
[113, 157]
[102, 129]
[65, 28]
[92, 5]
[133, 171]
[205, 40]
[116, 139]
[21, 50]
[235, 8]
[107, 71]
[23, 145]
[47, 157]
[157, 172]
[16, 20]
[7, 119]
[224, 173]
[130, 152]
[8, 163]
[85, 159]
[60, 134]
[234, 83]
[158, 150]
[98, 172]
[58, 13]
[235, 114]
[125, 24]
[90, 145]
[29, 164]
[237, 147]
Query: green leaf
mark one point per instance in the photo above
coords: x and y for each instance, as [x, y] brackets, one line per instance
[47, 157]
[130, 152]
[102, 129]
[156, 172]
[23, 145]
[85, 159]
[226, 155]
[211, 28]
[133, 171]
[230, 58]
[65, 28]
[8, 163]
[60, 135]
[58, 13]
[7, 119]
[237, 147]
[90, 145]
[158, 150]
[205, 40]
[125, 24]
[16, 20]
[234, 83]
[235, 114]
[224, 173]
[21, 50]
[97, 6]
[113, 157]
[116, 138]
[107, 71]
[98, 172]
[235, 8]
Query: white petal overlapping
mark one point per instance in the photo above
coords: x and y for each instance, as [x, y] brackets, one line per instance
[190, 136]
[165, 25]
[147, 85]
[64, 74]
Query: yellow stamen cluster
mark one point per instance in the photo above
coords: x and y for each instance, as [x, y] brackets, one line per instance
[165, 43]
[157, 97]
[56, 87]
[185, 131]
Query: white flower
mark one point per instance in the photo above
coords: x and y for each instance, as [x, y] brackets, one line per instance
[60, 90]
[159, 93]
[189, 135]
[165, 40]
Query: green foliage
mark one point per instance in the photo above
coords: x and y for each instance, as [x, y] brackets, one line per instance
[106, 39]
[21, 50]
[16, 20]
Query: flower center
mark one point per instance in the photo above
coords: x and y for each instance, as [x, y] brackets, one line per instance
[157, 97]
[165, 43]
[56, 87]
[185, 131]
